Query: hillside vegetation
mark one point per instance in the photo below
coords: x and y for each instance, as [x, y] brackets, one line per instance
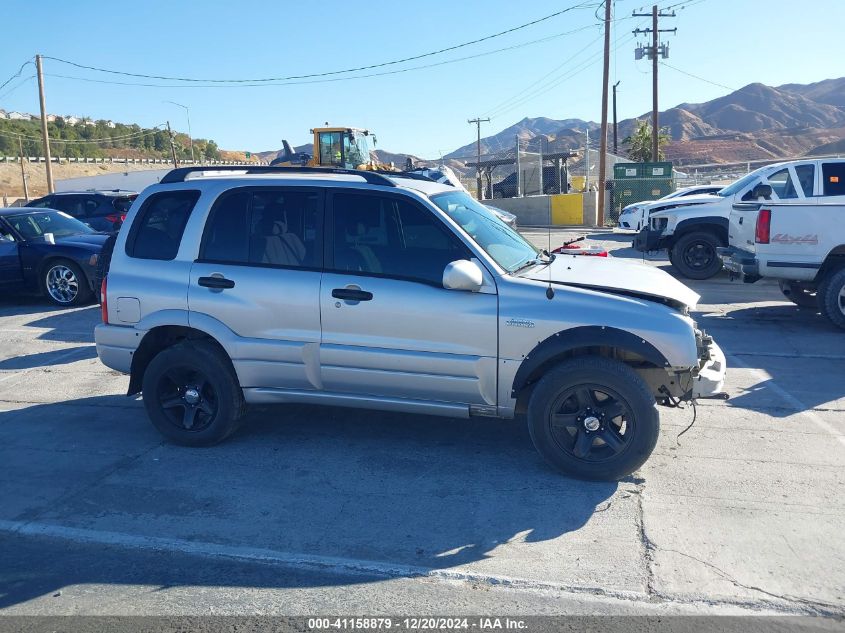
[99, 140]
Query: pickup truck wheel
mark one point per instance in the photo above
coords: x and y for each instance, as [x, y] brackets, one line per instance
[802, 295]
[832, 298]
[694, 255]
[64, 283]
[593, 418]
[191, 394]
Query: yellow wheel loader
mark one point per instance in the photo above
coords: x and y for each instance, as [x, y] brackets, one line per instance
[345, 147]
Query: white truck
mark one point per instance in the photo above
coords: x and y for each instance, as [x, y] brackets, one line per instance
[695, 227]
[800, 245]
[635, 216]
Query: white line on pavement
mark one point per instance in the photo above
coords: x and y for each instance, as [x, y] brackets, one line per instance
[298, 561]
[800, 408]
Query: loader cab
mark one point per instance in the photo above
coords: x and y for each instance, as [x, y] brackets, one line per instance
[342, 147]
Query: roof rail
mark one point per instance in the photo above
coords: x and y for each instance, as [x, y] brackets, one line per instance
[180, 173]
[404, 174]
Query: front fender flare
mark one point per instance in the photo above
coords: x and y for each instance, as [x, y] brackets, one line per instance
[580, 338]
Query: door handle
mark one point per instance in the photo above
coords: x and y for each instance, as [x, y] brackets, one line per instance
[740, 219]
[216, 282]
[352, 294]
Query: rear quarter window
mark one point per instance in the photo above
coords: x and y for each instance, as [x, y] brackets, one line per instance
[159, 225]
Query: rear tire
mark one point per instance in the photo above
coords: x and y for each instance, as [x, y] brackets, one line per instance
[192, 395]
[64, 283]
[802, 295]
[831, 296]
[694, 255]
[593, 418]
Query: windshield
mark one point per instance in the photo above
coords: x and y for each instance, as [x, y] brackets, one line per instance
[740, 184]
[357, 150]
[34, 225]
[507, 247]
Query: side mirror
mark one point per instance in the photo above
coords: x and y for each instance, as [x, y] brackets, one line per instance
[463, 275]
[762, 191]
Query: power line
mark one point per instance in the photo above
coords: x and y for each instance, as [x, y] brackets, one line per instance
[572, 72]
[17, 74]
[522, 92]
[326, 80]
[688, 74]
[322, 74]
[521, 97]
[17, 86]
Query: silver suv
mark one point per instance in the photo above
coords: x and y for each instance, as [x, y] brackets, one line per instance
[277, 285]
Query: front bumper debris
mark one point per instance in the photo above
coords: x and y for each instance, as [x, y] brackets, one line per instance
[739, 263]
[649, 239]
[709, 382]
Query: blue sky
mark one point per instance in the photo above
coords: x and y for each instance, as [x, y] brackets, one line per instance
[728, 42]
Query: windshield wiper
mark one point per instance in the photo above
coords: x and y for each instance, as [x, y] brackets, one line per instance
[536, 261]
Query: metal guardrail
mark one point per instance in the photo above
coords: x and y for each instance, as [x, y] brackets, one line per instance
[124, 161]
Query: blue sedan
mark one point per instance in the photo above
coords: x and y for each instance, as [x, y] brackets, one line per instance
[50, 252]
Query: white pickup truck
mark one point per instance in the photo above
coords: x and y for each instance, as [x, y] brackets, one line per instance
[695, 227]
[801, 245]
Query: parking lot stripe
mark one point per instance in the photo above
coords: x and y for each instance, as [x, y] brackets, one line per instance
[308, 562]
[799, 407]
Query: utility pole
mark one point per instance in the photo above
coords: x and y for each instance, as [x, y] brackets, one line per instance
[615, 145]
[44, 135]
[653, 52]
[23, 173]
[603, 140]
[478, 121]
[190, 134]
[587, 162]
[172, 146]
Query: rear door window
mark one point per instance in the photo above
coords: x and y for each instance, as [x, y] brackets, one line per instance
[43, 203]
[158, 227]
[833, 179]
[123, 203]
[265, 226]
[806, 175]
[782, 185]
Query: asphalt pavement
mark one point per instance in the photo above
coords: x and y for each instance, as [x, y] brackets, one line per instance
[324, 510]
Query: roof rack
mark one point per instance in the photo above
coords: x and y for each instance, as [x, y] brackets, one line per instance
[404, 174]
[180, 173]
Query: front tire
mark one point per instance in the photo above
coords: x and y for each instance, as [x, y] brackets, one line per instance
[802, 295]
[694, 255]
[192, 395]
[593, 418]
[64, 283]
[831, 296]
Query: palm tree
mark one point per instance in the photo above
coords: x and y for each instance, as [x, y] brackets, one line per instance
[639, 143]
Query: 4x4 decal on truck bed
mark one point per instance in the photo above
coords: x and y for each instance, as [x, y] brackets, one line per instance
[785, 238]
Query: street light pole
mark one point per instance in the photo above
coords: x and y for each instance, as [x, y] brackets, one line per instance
[190, 134]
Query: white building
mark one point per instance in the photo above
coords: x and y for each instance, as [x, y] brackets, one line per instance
[72, 120]
[19, 116]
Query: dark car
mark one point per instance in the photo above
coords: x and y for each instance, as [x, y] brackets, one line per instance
[101, 210]
[553, 182]
[49, 252]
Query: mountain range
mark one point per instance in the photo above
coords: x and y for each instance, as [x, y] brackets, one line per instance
[756, 122]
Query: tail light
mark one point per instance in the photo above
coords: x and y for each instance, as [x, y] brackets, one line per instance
[114, 218]
[764, 225]
[104, 302]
